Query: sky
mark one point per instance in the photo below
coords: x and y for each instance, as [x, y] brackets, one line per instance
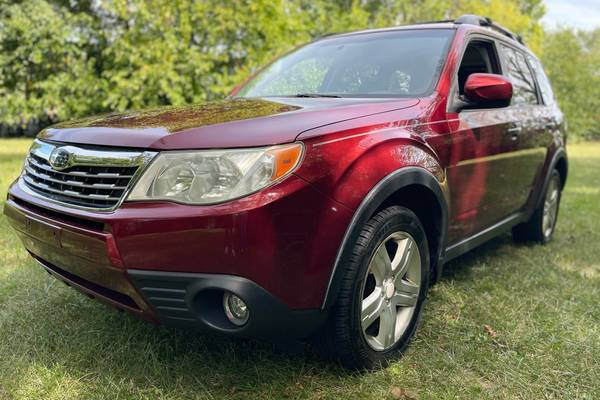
[582, 14]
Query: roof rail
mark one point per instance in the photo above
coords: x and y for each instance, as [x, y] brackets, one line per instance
[439, 21]
[485, 21]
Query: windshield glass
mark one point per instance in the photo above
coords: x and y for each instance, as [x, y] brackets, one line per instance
[404, 63]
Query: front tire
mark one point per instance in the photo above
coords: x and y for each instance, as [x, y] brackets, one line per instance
[540, 226]
[382, 292]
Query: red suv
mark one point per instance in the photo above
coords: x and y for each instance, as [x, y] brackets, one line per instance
[319, 201]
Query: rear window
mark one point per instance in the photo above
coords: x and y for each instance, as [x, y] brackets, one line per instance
[543, 82]
[524, 90]
[383, 64]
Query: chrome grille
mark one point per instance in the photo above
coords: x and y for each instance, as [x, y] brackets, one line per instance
[94, 178]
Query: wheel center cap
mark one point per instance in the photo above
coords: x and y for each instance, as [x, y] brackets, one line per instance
[389, 289]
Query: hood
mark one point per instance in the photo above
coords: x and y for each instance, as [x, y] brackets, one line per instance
[223, 124]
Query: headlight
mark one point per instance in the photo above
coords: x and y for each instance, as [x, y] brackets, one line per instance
[214, 176]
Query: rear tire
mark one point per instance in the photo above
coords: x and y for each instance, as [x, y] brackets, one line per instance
[382, 292]
[540, 226]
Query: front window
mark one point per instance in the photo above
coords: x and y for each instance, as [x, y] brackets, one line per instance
[404, 63]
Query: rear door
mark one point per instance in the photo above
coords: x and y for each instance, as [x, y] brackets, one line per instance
[532, 125]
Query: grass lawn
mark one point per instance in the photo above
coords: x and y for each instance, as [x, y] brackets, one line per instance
[506, 321]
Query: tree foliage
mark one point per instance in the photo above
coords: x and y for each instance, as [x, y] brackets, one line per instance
[45, 72]
[572, 61]
[61, 59]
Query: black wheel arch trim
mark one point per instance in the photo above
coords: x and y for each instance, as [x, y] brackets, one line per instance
[559, 155]
[387, 186]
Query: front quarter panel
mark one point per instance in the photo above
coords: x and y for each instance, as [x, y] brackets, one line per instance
[347, 168]
[362, 167]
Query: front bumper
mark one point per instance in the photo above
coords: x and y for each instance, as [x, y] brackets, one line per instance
[80, 256]
[170, 263]
[195, 301]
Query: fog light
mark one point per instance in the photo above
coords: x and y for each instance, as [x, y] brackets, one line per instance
[235, 309]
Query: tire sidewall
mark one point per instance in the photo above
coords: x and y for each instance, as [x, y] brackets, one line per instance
[401, 220]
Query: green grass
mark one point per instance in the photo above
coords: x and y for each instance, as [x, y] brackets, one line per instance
[542, 302]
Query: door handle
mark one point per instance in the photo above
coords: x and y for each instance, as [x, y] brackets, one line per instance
[514, 132]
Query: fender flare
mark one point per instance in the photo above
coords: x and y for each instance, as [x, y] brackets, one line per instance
[377, 195]
[559, 155]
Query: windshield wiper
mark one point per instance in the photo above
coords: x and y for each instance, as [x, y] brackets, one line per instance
[316, 95]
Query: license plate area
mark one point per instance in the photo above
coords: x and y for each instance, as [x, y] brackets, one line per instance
[42, 231]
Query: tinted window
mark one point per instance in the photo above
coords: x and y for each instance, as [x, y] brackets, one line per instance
[384, 64]
[543, 82]
[479, 57]
[524, 91]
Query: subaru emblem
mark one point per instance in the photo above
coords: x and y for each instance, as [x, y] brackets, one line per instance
[60, 158]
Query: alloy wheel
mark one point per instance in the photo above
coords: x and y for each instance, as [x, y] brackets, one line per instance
[550, 207]
[390, 291]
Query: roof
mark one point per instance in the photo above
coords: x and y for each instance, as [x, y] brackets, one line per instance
[469, 21]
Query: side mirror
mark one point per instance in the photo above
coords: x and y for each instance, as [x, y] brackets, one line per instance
[488, 90]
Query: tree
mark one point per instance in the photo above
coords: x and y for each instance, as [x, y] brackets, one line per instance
[45, 73]
[572, 61]
[61, 59]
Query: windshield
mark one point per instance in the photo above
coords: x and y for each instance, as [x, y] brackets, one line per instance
[403, 63]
